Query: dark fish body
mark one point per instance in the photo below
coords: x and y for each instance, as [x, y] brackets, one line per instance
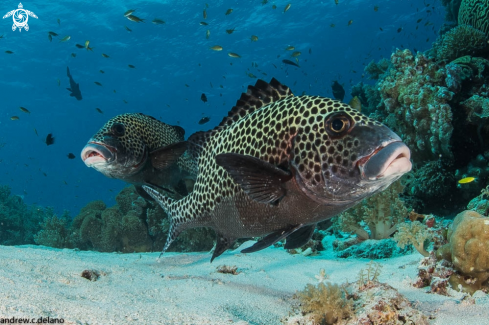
[338, 91]
[279, 164]
[204, 120]
[70, 156]
[49, 139]
[203, 97]
[74, 87]
[290, 63]
[139, 149]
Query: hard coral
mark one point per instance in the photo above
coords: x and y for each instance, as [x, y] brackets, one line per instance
[475, 13]
[459, 41]
[415, 104]
[469, 244]
[381, 213]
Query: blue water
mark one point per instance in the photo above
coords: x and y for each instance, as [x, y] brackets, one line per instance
[166, 58]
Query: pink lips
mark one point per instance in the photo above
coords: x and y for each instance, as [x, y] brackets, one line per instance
[390, 160]
[96, 153]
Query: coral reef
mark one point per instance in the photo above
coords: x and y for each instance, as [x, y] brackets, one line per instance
[415, 104]
[132, 225]
[375, 69]
[475, 13]
[459, 41]
[480, 204]
[380, 213]
[452, 7]
[369, 97]
[18, 221]
[55, 232]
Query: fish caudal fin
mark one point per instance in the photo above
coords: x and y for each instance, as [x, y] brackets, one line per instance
[165, 202]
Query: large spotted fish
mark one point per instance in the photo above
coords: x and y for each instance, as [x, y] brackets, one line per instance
[139, 149]
[279, 164]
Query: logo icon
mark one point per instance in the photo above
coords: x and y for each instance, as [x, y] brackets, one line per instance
[20, 17]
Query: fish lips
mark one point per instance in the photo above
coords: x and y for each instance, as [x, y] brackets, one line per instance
[95, 154]
[388, 161]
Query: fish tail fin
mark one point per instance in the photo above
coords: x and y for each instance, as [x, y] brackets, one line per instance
[165, 202]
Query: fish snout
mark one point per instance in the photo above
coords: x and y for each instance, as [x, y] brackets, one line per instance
[94, 154]
[389, 161]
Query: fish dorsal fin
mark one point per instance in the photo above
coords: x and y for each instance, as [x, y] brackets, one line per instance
[257, 96]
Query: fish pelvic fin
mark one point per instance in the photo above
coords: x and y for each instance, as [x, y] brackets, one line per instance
[222, 244]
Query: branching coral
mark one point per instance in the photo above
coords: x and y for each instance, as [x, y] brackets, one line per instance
[55, 233]
[414, 233]
[380, 213]
[459, 41]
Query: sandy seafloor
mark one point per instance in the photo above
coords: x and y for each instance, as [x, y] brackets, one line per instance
[185, 288]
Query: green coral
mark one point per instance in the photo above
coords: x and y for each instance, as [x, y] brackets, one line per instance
[459, 41]
[55, 232]
[381, 213]
[375, 69]
[475, 13]
[414, 233]
[18, 221]
[326, 303]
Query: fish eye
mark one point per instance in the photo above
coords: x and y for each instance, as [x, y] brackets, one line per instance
[118, 129]
[338, 124]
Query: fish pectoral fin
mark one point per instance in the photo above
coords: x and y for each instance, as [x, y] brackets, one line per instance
[262, 181]
[271, 239]
[164, 157]
[300, 237]
[222, 244]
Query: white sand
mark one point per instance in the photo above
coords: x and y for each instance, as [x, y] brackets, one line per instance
[186, 289]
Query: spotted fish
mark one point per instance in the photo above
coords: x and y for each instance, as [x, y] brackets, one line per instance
[279, 164]
[139, 149]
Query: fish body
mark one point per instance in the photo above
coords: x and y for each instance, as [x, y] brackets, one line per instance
[290, 63]
[287, 7]
[356, 103]
[49, 139]
[229, 11]
[131, 66]
[466, 180]
[74, 87]
[203, 23]
[254, 38]
[204, 120]
[216, 48]
[234, 55]
[157, 21]
[128, 29]
[9, 52]
[338, 90]
[204, 14]
[25, 110]
[296, 54]
[105, 55]
[79, 46]
[65, 39]
[203, 97]
[129, 12]
[279, 164]
[135, 19]
[14, 118]
[207, 34]
[140, 149]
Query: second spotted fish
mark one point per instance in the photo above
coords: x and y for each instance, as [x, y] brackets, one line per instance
[278, 164]
[140, 149]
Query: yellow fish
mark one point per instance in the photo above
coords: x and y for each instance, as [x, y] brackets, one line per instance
[135, 18]
[350, 22]
[25, 110]
[296, 54]
[65, 39]
[466, 180]
[290, 48]
[229, 11]
[254, 38]
[205, 14]
[355, 103]
[216, 48]
[287, 7]
[14, 118]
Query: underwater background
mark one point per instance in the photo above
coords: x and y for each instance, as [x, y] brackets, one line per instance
[167, 57]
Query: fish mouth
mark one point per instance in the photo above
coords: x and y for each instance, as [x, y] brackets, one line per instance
[387, 161]
[95, 154]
